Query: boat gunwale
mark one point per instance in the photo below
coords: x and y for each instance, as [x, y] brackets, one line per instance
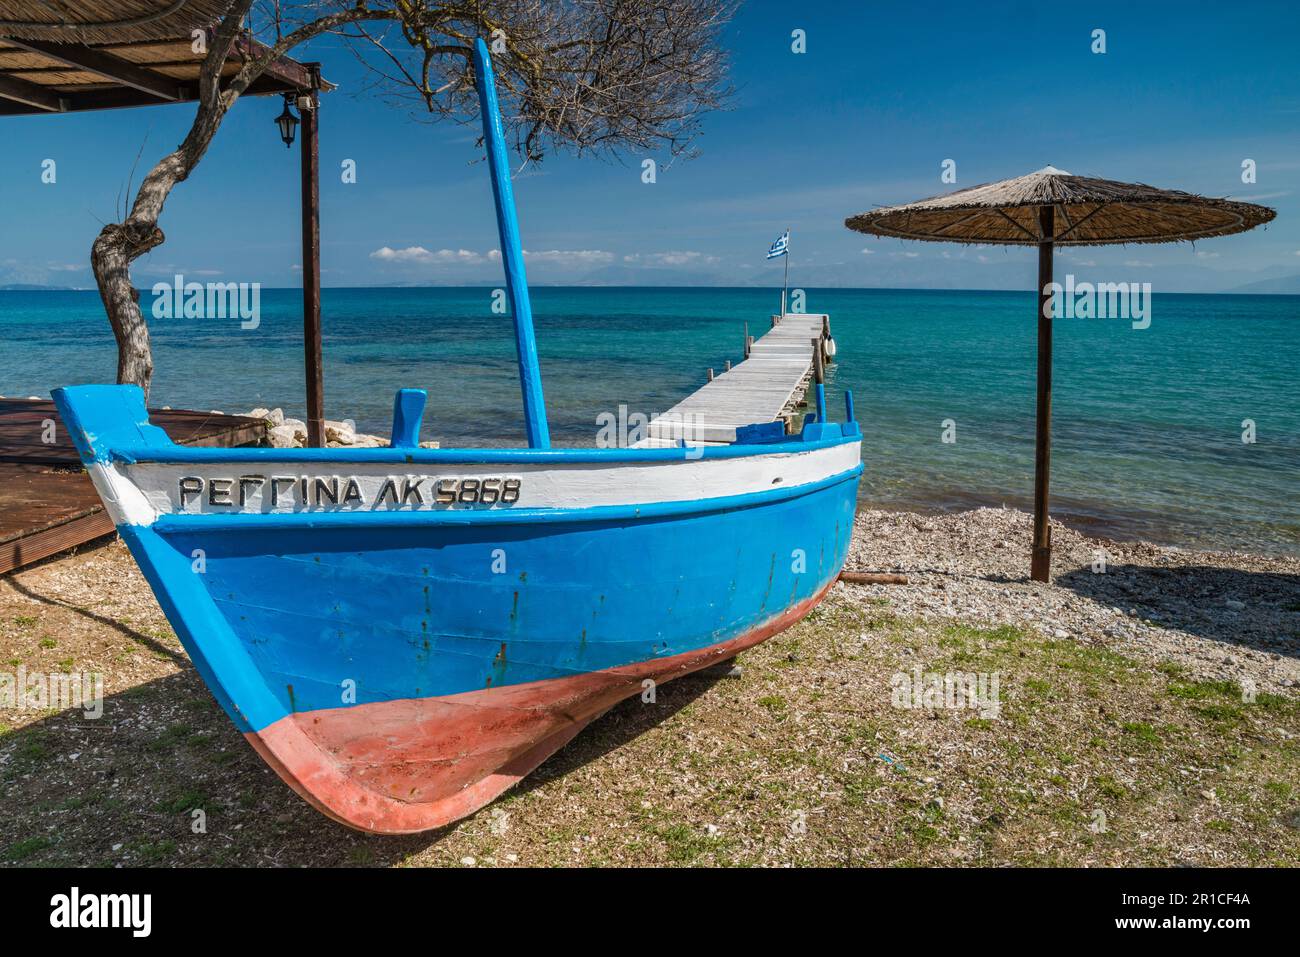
[180, 454]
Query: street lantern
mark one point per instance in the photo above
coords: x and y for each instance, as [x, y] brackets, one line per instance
[287, 122]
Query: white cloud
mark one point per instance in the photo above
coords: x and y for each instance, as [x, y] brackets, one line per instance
[1202, 254]
[171, 270]
[1137, 264]
[872, 252]
[421, 255]
[671, 258]
[569, 257]
[418, 254]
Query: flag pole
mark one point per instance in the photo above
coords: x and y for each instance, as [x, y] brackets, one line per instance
[785, 288]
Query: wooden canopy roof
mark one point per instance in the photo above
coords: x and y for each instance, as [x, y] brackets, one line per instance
[106, 54]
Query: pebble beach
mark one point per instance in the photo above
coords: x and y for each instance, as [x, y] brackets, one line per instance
[1158, 697]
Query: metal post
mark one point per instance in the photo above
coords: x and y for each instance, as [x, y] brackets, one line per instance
[311, 328]
[785, 285]
[1040, 565]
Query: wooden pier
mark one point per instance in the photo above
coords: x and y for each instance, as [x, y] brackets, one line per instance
[47, 503]
[768, 385]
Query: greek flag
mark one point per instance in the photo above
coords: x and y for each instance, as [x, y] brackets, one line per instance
[780, 247]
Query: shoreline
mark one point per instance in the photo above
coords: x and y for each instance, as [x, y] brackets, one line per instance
[1113, 525]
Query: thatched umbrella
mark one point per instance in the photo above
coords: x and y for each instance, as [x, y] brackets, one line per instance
[1053, 208]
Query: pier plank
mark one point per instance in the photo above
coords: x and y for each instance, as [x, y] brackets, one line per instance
[764, 387]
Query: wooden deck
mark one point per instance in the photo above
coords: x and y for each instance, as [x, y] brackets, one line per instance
[47, 503]
[767, 386]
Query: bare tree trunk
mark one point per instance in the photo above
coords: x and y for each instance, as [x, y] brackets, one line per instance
[111, 257]
[120, 244]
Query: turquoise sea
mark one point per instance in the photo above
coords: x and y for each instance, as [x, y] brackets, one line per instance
[1148, 423]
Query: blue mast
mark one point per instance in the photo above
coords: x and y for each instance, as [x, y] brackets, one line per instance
[530, 374]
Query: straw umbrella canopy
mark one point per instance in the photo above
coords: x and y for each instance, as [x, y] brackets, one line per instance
[1052, 208]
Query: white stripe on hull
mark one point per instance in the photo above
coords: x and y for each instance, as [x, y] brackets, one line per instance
[138, 494]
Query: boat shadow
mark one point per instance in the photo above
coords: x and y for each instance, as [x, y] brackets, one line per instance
[153, 644]
[123, 789]
[1250, 609]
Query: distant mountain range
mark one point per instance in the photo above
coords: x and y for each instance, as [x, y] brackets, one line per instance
[1277, 286]
[33, 287]
[893, 279]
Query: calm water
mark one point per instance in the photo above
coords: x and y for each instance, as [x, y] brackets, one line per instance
[1147, 423]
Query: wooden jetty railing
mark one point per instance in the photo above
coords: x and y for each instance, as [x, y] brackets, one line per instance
[769, 384]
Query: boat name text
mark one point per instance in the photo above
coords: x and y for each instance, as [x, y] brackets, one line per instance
[346, 491]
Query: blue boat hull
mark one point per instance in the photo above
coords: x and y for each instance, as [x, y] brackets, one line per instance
[400, 666]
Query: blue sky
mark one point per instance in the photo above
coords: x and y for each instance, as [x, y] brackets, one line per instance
[884, 94]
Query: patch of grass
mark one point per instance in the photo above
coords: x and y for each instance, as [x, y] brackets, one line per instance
[173, 737]
[772, 702]
[1220, 713]
[685, 844]
[153, 852]
[1109, 787]
[1276, 704]
[1279, 789]
[1142, 731]
[21, 850]
[24, 621]
[1204, 690]
[184, 801]
[47, 643]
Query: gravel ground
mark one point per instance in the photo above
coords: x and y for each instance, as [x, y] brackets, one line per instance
[1220, 615]
[1169, 734]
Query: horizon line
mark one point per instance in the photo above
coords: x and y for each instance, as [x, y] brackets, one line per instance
[40, 287]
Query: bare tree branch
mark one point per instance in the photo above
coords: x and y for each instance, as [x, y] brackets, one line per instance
[589, 76]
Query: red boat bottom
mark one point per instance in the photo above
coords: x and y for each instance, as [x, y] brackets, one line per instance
[399, 767]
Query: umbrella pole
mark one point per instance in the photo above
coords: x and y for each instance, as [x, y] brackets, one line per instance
[1041, 562]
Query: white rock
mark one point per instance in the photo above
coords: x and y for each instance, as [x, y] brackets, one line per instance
[341, 432]
[283, 437]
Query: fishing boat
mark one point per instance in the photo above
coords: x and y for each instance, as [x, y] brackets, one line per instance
[403, 633]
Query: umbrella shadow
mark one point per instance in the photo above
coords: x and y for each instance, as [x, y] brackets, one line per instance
[1249, 609]
[125, 788]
